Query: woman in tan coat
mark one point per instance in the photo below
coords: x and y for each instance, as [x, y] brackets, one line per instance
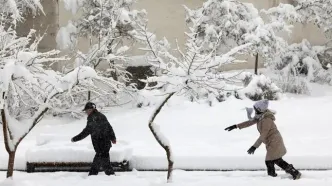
[271, 137]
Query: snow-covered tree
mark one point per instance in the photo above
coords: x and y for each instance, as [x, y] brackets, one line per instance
[29, 88]
[22, 94]
[194, 72]
[317, 12]
[113, 24]
[233, 23]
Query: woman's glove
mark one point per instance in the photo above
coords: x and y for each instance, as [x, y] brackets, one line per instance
[231, 128]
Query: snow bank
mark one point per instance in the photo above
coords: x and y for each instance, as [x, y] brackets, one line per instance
[57, 148]
[227, 163]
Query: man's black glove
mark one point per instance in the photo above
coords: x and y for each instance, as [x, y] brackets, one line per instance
[251, 150]
[231, 127]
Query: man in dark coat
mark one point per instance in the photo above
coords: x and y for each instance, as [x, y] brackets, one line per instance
[102, 137]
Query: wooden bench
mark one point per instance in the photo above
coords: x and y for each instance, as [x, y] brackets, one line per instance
[54, 153]
[72, 166]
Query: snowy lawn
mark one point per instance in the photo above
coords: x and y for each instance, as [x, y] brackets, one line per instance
[181, 178]
[196, 132]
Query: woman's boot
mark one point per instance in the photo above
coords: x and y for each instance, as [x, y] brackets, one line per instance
[292, 171]
[271, 171]
[288, 168]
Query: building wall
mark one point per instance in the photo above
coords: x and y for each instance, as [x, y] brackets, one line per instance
[166, 18]
[47, 24]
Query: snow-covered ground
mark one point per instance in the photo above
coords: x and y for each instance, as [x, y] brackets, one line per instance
[196, 132]
[181, 178]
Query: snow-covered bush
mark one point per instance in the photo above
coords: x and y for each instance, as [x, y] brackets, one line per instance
[293, 84]
[325, 57]
[298, 65]
[300, 59]
[258, 87]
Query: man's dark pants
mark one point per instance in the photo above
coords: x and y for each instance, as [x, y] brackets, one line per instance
[102, 159]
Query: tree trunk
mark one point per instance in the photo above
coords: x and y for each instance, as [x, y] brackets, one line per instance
[5, 130]
[114, 74]
[155, 134]
[89, 95]
[170, 163]
[11, 153]
[8, 137]
[256, 64]
[11, 161]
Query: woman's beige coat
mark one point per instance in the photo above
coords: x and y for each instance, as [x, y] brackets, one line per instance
[269, 135]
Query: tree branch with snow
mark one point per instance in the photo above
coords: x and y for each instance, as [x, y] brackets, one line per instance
[317, 12]
[11, 11]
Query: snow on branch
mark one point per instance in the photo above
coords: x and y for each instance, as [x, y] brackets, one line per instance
[76, 85]
[317, 12]
[12, 10]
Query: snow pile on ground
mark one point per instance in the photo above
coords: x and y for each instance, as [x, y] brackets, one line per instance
[180, 178]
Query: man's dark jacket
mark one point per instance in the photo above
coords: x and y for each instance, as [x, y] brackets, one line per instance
[100, 130]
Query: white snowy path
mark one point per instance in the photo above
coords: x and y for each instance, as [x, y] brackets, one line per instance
[196, 132]
[181, 178]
